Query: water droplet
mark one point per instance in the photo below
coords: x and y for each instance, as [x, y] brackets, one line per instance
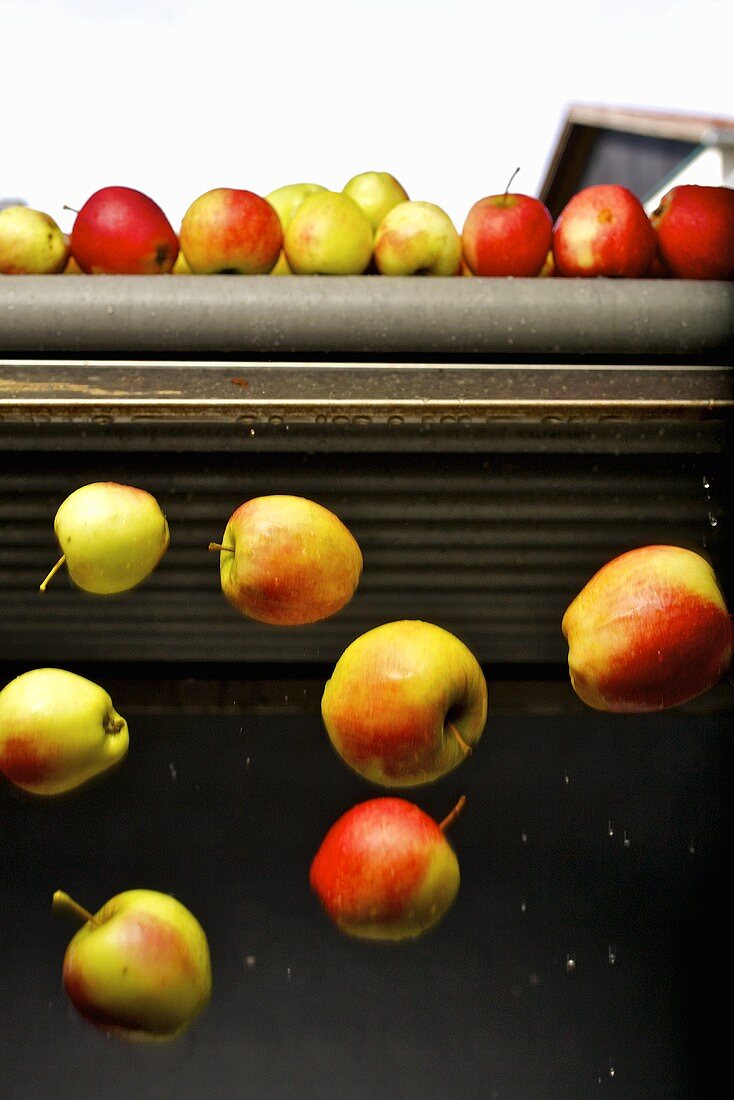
[172, 770]
[570, 964]
[610, 828]
[523, 906]
[626, 839]
[524, 837]
[611, 1068]
[288, 973]
[692, 846]
[566, 779]
[706, 483]
[249, 961]
[713, 520]
[612, 954]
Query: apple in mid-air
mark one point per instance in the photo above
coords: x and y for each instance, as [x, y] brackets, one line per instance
[508, 234]
[31, 243]
[287, 561]
[139, 968]
[111, 536]
[385, 870]
[376, 193]
[121, 231]
[603, 230]
[694, 226]
[229, 231]
[649, 630]
[328, 234]
[57, 730]
[405, 704]
[417, 238]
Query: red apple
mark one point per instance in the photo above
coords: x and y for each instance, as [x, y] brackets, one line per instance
[695, 231]
[231, 232]
[385, 870]
[507, 234]
[649, 631]
[603, 230]
[120, 231]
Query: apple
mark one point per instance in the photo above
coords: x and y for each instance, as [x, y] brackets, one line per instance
[111, 537]
[694, 226]
[649, 631]
[603, 230]
[31, 243]
[417, 238]
[285, 201]
[287, 561]
[140, 967]
[181, 267]
[385, 870]
[405, 703]
[508, 234]
[328, 234]
[57, 730]
[227, 231]
[376, 193]
[121, 231]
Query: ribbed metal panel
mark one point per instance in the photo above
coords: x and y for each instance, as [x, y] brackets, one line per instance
[492, 546]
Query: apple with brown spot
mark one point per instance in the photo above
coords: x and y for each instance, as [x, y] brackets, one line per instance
[417, 238]
[603, 230]
[230, 231]
[650, 630]
[694, 226]
[385, 870]
[139, 968]
[121, 231]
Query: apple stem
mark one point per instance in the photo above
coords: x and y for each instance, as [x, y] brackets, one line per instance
[218, 546]
[466, 749]
[509, 182]
[59, 563]
[62, 903]
[451, 818]
[72, 208]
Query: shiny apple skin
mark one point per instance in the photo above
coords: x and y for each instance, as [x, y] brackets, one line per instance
[694, 226]
[649, 631]
[603, 230]
[231, 231]
[507, 235]
[121, 231]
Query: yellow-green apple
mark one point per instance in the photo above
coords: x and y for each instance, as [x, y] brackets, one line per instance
[31, 243]
[405, 703]
[121, 231]
[376, 193]
[603, 230]
[140, 967]
[287, 560]
[650, 630]
[328, 234]
[285, 201]
[111, 537]
[417, 238]
[228, 231]
[385, 870]
[694, 226]
[57, 730]
[508, 234]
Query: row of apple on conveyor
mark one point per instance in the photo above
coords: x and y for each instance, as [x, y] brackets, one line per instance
[405, 705]
[371, 226]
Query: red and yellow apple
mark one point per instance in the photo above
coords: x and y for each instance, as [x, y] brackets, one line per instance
[287, 561]
[228, 231]
[417, 238]
[328, 234]
[376, 193]
[57, 731]
[507, 234]
[121, 231]
[140, 967]
[31, 243]
[649, 630]
[603, 230]
[385, 870]
[405, 704]
[694, 226]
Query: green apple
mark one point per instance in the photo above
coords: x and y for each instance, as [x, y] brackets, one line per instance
[385, 870]
[405, 703]
[417, 238]
[287, 560]
[31, 243]
[140, 967]
[376, 193]
[328, 234]
[111, 536]
[57, 730]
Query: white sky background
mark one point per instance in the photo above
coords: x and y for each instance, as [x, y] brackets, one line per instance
[175, 97]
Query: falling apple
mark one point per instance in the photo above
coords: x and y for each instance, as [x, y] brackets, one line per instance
[121, 231]
[694, 226]
[111, 536]
[405, 703]
[287, 560]
[385, 870]
[230, 231]
[650, 630]
[603, 230]
[31, 243]
[376, 193]
[328, 234]
[417, 238]
[57, 730]
[140, 967]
